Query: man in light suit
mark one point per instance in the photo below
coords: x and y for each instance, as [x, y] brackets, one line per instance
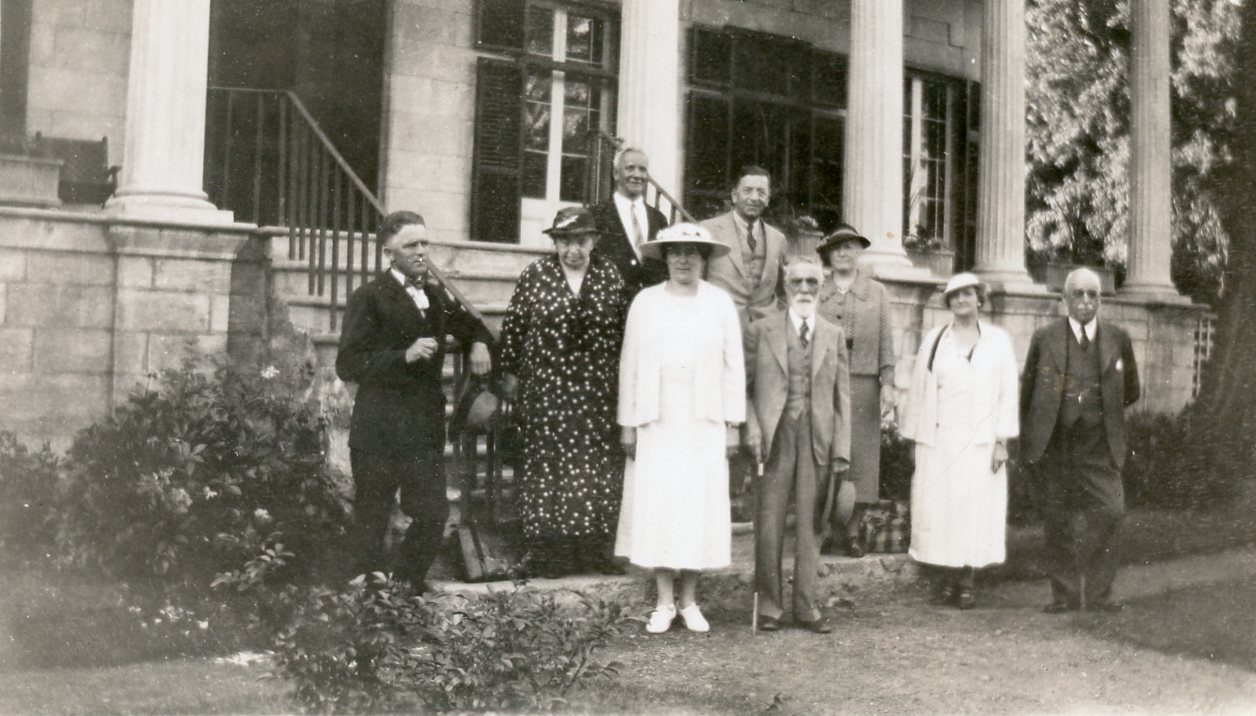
[1079, 377]
[626, 221]
[798, 419]
[392, 346]
[750, 273]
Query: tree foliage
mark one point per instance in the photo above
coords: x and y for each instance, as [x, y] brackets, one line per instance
[1078, 101]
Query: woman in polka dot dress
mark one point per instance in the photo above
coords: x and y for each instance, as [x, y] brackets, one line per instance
[560, 351]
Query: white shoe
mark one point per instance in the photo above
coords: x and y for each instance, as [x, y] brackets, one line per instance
[694, 621]
[661, 619]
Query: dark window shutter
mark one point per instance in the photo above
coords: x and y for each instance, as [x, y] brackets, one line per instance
[500, 24]
[498, 158]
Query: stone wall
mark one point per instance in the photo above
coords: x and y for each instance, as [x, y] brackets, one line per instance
[79, 61]
[429, 84]
[90, 307]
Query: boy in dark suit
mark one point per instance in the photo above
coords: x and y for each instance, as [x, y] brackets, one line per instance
[392, 346]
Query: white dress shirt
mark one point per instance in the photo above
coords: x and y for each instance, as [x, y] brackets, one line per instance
[1078, 328]
[798, 322]
[627, 208]
[416, 294]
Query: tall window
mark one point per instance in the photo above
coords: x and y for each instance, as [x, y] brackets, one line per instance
[767, 100]
[781, 103]
[537, 112]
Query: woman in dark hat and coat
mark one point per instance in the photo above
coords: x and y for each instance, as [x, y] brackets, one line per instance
[861, 306]
[560, 350]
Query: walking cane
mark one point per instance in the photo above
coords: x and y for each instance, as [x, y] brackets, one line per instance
[754, 610]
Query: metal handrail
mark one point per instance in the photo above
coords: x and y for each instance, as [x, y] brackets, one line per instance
[317, 194]
[598, 164]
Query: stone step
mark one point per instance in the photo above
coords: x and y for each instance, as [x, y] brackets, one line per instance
[292, 279]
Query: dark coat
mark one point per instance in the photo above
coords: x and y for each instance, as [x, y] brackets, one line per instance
[400, 407]
[616, 247]
[1043, 384]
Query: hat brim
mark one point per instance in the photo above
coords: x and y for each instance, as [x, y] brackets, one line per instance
[564, 233]
[654, 249]
[831, 243]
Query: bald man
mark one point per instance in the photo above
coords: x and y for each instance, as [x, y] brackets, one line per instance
[1079, 377]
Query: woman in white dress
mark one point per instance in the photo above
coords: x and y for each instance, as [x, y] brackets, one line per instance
[682, 392]
[961, 411]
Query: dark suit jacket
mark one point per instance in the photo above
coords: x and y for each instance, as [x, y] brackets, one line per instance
[616, 247]
[1043, 382]
[767, 385]
[400, 407]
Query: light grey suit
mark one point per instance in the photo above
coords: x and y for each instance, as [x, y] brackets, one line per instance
[730, 273]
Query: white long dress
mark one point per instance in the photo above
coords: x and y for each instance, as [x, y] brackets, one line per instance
[675, 510]
[958, 505]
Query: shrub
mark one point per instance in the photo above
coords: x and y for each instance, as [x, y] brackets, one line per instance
[372, 648]
[197, 477]
[28, 501]
[1183, 461]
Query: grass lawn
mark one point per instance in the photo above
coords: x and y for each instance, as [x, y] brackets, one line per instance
[1216, 622]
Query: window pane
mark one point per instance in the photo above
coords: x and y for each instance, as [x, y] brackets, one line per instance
[571, 183]
[829, 81]
[708, 143]
[580, 115]
[536, 109]
[534, 165]
[500, 24]
[712, 57]
[584, 39]
[540, 31]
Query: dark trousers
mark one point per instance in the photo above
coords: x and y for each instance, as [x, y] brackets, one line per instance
[376, 480]
[1083, 504]
[791, 469]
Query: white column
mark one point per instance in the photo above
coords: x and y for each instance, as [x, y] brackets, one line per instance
[163, 162]
[649, 85]
[1150, 243]
[872, 178]
[1001, 169]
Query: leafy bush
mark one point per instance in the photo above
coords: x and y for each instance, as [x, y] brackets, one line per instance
[374, 648]
[197, 477]
[28, 500]
[1182, 461]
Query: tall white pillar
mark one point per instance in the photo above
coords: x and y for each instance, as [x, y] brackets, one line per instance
[649, 85]
[1001, 172]
[1150, 242]
[872, 178]
[163, 162]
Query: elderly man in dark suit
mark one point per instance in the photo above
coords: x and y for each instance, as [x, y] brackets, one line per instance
[798, 420]
[625, 222]
[392, 346]
[1079, 377]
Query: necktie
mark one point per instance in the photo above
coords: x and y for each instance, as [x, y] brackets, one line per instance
[1085, 340]
[750, 240]
[637, 238]
[802, 334]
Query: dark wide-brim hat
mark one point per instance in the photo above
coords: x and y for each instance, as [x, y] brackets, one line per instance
[572, 221]
[683, 233]
[839, 236]
[477, 408]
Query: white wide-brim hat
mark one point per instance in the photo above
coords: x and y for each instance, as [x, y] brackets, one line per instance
[961, 281]
[683, 233]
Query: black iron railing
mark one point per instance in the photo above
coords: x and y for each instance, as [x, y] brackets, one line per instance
[600, 179]
[268, 160]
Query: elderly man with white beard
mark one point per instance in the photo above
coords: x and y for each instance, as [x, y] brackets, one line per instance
[798, 426]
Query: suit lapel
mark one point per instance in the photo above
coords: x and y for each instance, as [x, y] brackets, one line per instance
[820, 341]
[399, 296]
[733, 238]
[776, 342]
[1058, 345]
[1108, 349]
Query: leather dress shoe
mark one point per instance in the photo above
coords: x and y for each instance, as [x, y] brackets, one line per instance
[1059, 608]
[964, 599]
[767, 623]
[817, 626]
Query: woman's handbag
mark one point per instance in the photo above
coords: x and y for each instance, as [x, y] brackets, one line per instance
[886, 527]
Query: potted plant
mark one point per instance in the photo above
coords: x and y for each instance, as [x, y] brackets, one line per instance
[929, 252]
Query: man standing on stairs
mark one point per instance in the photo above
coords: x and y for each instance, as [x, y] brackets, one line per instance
[625, 222]
[392, 346]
